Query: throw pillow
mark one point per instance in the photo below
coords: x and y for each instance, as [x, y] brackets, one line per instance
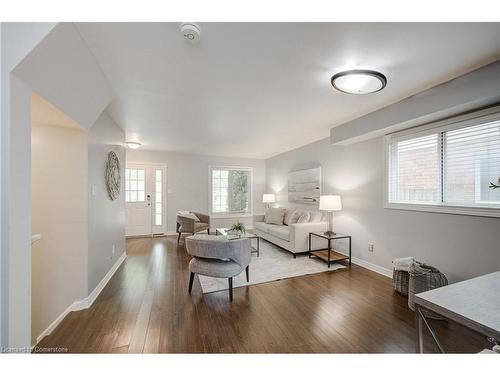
[286, 217]
[275, 216]
[190, 215]
[294, 216]
[304, 218]
[316, 217]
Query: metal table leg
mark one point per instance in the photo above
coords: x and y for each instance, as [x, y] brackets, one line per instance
[420, 333]
[421, 322]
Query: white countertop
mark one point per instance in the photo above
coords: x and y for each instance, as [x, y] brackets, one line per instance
[477, 300]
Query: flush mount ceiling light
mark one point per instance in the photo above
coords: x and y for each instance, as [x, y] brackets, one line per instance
[359, 81]
[133, 145]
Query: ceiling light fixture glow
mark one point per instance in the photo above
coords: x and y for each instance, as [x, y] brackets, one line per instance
[359, 81]
[133, 145]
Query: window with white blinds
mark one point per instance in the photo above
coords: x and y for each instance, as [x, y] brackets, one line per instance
[455, 164]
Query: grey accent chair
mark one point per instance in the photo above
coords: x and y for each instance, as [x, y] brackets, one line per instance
[187, 225]
[216, 256]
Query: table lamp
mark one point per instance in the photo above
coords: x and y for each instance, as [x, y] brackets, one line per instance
[268, 198]
[330, 203]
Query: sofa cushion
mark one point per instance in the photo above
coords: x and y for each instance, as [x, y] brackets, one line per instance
[280, 231]
[275, 216]
[260, 225]
[304, 217]
[200, 226]
[214, 267]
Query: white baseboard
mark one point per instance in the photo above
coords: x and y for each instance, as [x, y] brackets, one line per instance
[86, 302]
[98, 289]
[47, 331]
[373, 267]
[370, 266]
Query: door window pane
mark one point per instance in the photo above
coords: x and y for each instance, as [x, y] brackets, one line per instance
[134, 185]
[158, 196]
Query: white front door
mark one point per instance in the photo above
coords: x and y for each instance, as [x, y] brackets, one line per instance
[145, 212]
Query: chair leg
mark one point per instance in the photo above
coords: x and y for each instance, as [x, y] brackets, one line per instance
[294, 255]
[191, 278]
[230, 289]
[248, 273]
[179, 237]
[208, 230]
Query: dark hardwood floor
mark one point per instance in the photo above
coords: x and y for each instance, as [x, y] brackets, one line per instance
[146, 308]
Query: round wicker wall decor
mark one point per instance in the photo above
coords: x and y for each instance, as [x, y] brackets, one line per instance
[113, 177]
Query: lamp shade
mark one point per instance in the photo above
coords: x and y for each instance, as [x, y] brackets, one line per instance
[268, 198]
[330, 203]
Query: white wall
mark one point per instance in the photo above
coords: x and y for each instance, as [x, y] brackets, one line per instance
[64, 71]
[17, 40]
[187, 179]
[106, 217]
[461, 246]
[59, 214]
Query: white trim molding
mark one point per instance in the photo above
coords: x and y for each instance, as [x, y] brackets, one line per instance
[86, 302]
[445, 209]
[368, 265]
[372, 267]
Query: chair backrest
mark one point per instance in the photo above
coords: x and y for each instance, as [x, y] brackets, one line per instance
[186, 223]
[219, 247]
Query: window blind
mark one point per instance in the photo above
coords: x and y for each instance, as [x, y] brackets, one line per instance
[451, 165]
[471, 161]
[415, 176]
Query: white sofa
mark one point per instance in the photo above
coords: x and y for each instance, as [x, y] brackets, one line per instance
[293, 237]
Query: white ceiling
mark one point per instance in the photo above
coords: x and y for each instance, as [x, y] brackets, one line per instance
[259, 89]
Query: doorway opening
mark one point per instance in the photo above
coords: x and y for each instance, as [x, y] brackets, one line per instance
[145, 200]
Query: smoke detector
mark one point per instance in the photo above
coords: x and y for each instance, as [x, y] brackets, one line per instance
[191, 32]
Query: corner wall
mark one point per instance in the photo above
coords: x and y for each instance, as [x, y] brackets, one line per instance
[59, 214]
[106, 217]
[460, 246]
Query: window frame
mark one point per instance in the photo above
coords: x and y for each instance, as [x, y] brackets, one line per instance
[250, 198]
[453, 123]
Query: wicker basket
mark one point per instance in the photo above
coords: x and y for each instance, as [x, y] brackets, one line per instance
[400, 281]
[422, 279]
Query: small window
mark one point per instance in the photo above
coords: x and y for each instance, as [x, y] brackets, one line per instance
[230, 190]
[158, 197]
[452, 164]
[134, 185]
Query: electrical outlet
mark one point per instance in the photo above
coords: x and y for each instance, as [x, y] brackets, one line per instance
[113, 249]
[370, 247]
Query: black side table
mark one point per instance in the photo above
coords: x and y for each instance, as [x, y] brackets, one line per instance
[330, 255]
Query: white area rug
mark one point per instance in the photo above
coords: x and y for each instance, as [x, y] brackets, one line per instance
[273, 264]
